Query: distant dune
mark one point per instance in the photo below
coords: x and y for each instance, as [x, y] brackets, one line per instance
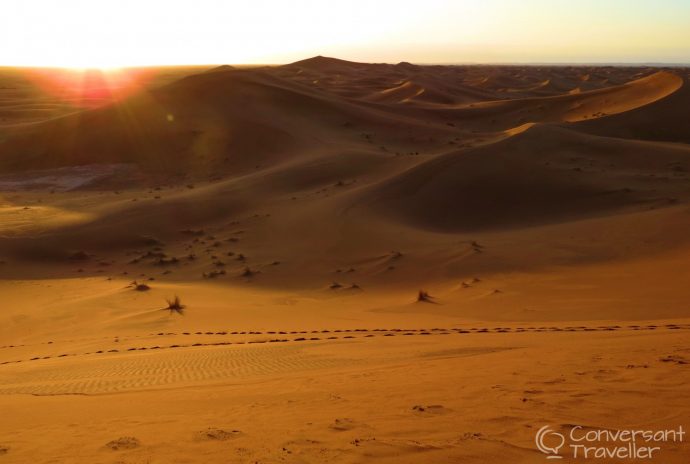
[446, 148]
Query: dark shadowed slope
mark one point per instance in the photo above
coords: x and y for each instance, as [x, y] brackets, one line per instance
[667, 119]
[543, 175]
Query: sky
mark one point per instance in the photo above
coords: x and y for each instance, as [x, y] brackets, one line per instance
[117, 33]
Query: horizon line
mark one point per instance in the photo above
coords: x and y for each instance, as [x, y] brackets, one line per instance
[418, 63]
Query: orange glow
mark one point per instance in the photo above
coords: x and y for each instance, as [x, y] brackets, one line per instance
[89, 87]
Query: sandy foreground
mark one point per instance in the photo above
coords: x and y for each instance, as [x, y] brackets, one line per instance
[298, 211]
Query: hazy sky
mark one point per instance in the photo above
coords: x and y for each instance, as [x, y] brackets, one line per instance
[143, 32]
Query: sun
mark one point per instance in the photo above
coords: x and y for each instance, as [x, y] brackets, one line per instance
[89, 86]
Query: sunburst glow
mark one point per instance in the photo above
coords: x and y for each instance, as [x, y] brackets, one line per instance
[87, 87]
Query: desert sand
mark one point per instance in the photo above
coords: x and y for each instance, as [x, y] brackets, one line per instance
[297, 212]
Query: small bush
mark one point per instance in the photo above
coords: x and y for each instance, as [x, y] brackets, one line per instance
[423, 296]
[175, 305]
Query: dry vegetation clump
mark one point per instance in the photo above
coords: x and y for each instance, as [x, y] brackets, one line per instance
[140, 287]
[193, 232]
[175, 305]
[151, 254]
[123, 443]
[213, 274]
[147, 240]
[166, 261]
[248, 272]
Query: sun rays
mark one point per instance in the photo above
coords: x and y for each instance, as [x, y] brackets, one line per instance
[89, 87]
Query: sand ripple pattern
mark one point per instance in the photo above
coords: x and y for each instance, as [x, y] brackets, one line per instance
[150, 370]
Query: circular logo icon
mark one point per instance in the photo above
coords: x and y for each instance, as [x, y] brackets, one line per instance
[549, 442]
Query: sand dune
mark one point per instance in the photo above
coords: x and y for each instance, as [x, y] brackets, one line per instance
[424, 88]
[149, 129]
[662, 120]
[237, 143]
[278, 146]
[503, 114]
[543, 174]
[298, 212]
